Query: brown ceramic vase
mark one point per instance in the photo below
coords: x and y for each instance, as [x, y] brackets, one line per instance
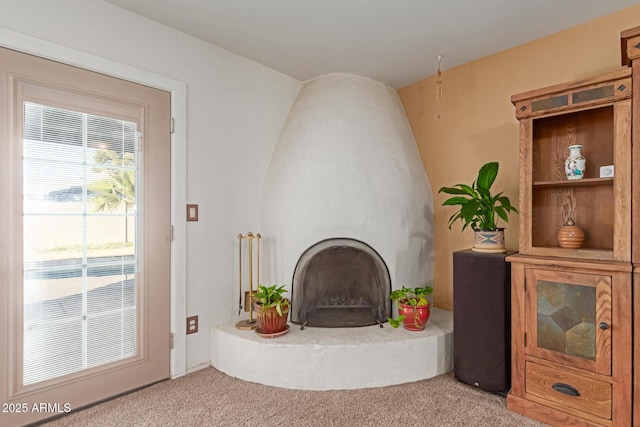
[570, 236]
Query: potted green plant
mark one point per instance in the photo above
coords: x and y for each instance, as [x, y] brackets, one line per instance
[480, 209]
[272, 310]
[413, 307]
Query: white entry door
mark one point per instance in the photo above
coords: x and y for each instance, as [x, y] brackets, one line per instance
[85, 224]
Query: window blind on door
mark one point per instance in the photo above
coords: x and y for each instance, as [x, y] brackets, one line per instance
[79, 246]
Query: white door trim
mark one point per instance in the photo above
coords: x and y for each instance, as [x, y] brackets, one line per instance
[45, 49]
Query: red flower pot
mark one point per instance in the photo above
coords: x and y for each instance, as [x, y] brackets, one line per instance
[415, 317]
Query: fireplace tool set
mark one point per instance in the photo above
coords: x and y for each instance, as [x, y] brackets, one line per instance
[249, 323]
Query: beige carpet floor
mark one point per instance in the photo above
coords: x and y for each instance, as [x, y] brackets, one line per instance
[210, 398]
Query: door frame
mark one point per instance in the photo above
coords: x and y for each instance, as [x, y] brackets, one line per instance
[45, 49]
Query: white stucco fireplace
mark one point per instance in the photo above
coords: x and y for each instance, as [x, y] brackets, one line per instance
[345, 170]
[347, 165]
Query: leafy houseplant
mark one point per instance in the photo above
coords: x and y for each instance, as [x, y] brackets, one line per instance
[272, 309]
[480, 209]
[413, 307]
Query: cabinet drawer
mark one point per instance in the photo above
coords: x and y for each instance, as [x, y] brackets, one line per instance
[592, 396]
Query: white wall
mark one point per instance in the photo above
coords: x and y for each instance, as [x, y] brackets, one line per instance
[235, 110]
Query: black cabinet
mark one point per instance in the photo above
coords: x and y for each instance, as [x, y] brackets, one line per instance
[482, 320]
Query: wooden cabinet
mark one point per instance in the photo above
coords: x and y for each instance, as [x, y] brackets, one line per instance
[571, 340]
[571, 308]
[630, 44]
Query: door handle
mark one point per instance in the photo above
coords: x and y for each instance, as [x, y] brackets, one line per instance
[566, 389]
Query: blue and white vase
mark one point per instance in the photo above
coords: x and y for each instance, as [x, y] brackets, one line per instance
[575, 164]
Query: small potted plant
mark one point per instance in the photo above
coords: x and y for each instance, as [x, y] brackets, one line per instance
[272, 310]
[413, 307]
[480, 209]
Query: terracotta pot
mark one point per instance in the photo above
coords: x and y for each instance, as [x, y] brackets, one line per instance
[489, 241]
[415, 317]
[269, 320]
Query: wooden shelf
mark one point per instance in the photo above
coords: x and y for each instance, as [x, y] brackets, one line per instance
[600, 206]
[585, 182]
[590, 253]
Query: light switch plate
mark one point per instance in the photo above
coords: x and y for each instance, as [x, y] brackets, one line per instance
[192, 212]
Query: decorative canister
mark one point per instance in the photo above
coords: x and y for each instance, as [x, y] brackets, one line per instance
[570, 236]
[489, 241]
[575, 164]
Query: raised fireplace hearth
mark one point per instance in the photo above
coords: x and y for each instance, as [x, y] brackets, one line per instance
[340, 283]
[336, 358]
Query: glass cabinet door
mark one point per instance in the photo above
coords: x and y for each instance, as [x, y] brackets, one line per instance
[569, 318]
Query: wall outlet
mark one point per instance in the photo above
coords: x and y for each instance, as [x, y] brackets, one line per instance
[192, 325]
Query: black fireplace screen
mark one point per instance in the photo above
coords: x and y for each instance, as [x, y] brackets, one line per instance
[340, 283]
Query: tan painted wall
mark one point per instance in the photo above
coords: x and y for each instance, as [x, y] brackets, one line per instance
[475, 121]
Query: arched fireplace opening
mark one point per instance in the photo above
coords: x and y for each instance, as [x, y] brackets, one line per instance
[340, 282]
